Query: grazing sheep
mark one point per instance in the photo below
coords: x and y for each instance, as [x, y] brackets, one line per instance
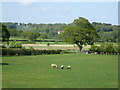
[62, 67]
[69, 67]
[54, 66]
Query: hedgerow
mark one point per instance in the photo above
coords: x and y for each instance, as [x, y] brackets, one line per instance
[24, 51]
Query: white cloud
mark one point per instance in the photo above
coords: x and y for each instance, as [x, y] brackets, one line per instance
[25, 2]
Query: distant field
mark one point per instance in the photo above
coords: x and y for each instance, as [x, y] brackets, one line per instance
[56, 46]
[51, 43]
[98, 43]
[17, 38]
[88, 71]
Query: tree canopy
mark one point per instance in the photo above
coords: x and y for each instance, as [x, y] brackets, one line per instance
[80, 32]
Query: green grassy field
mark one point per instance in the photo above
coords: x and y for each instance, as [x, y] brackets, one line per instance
[17, 38]
[88, 71]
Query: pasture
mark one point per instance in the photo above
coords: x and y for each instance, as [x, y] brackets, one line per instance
[70, 47]
[88, 71]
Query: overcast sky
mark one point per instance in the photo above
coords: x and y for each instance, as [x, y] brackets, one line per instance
[59, 12]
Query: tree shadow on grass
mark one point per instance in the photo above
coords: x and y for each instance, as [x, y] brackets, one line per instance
[4, 63]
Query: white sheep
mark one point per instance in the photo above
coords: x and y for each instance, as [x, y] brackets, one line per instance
[54, 66]
[62, 67]
[69, 67]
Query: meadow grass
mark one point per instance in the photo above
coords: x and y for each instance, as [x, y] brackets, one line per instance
[88, 71]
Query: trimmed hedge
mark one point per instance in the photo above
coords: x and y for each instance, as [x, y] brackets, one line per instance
[17, 52]
[28, 42]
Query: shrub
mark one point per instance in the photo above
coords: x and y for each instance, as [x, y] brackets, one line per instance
[105, 49]
[15, 45]
[31, 48]
[48, 44]
[2, 46]
[109, 48]
[116, 50]
[94, 48]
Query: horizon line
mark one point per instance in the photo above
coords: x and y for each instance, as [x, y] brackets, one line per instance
[52, 23]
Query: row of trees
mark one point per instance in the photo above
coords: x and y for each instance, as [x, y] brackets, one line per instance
[107, 32]
[31, 35]
[49, 29]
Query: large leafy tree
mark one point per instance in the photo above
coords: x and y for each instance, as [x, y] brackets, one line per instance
[81, 32]
[5, 33]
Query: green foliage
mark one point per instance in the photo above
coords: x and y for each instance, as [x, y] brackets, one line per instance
[44, 36]
[48, 44]
[15, 44]
[5, 33]
[31, 35]
[109, 48]
[105, 49]
[83, 23]
[2, 46]
[80, 32]
[14, 32]
[30, 51]
[107, 32]
[31, 48]
[94, 48]
[50, 29]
